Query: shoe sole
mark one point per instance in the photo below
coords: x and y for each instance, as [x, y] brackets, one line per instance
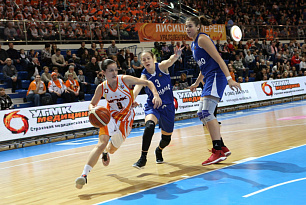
[227, 154]
[215, 162]
[80, 182]
[159, 162]
[137, 167]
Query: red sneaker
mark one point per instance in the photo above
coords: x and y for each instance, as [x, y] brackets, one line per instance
[226, 151]
[216, 157]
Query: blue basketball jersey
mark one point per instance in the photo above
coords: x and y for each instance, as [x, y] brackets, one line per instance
[162, 82]
[214, 78]
[206, 63]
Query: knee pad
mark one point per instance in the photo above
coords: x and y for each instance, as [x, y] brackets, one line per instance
[209, 106]
[165, 141]
[117, 139]
[199, 113]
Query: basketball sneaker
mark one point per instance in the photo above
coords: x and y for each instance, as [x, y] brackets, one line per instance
[226, 151]
[105, 159]
[81, 181]
[140, 163]
[216, 157]
[159, 156]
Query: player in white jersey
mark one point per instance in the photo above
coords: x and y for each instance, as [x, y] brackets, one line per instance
[119, 96]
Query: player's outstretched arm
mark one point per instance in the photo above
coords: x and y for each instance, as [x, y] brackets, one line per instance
[165, 64]
[138, 88]
[130, 80]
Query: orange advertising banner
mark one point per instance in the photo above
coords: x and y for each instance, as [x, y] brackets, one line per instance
[175, 32]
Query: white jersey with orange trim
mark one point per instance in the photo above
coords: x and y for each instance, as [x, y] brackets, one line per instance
[119, 101]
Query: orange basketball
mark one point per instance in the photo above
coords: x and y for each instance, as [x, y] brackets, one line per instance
[99, 116]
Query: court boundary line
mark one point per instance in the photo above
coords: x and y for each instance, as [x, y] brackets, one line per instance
[273, 186]
[200, 174]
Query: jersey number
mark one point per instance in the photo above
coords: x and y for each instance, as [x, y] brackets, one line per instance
[119, 105]
[157, 83]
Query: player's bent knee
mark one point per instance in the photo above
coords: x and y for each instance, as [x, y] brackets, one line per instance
[149, 128]
[117, 140]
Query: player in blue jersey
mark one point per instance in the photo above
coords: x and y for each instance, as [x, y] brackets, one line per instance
[215, 74]
[157, 73]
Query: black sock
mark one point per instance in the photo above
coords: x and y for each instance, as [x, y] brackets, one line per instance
[222, 143]
[217, 144]
[144, 154]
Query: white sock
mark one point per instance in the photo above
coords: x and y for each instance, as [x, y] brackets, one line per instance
[87, 169]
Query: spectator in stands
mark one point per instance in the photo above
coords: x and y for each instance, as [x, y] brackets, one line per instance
[85, 58]
[92, 69]
[33, 33]
[295, 60]
[171, 47]
[53, 48]
[57, 89]
[176, 85]
[34, 68]
[36, 91]
[70, 70]
[102, 52]
[93, 49]
[238, 65]
[24, 60]
[129, 54]
[43, 32]
[100, 78]
[3, 55]
[73, 88]
[166, 53]
[260, 75]
[157, 51]
[10, 32]
[68, 56]
[81, 50]
[10, 74]
[303, 64]
[46, 76]
[183, 83]
[232, 71]
[59, 75]
[13, 54]
[46, 55]
[76, 62]
[82, 82]
[121, 57]
[112, 49]
[240, 79]
[137, 66]
[58, 61]
[5, 100]
[250, 60]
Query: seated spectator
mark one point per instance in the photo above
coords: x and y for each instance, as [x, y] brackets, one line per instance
[59, 75]
[81, 50]
[10, 33]
[102, 52]
[46, 55]
[121, 57]
[70, 70]
[112, 49]
[3, 55]
[129, 70]
[232, 71]
[85, 58]
[10, 74]
[295, 60]
[157, 51]
[36, 91]
[303, 64]
[58, 61]
[33, 33]
[76, 62]
[136, 64]
[73, 88]
[5, 100]
[58, 89]
[24, 59]
[91, 51]
[250, 60]
[114, 58]
[183, 84]
[67, 56]
[34, 68]
[43, 32]
[82, 82]
[46, 76]
[92, 69]
[176, 85]
[246, 79]
[129, 54]
[100, 78]
[240, 79]
[13, 54]
[166, 53]
[238, 65]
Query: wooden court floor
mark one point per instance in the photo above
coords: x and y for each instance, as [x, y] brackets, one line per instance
[49, 178]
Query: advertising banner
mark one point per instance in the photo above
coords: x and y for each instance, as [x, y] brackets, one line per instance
[175, 32]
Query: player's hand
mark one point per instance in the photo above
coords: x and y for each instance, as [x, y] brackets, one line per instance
[135, 104]
[178, 51]
[234, 85]
[193, 87]
[157, 102]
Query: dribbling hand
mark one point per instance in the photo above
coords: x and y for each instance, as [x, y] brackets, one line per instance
[193, 87]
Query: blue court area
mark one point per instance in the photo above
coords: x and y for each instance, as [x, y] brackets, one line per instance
[278, 178]
[91, 140]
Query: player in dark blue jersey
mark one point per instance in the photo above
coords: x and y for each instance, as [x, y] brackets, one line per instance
[157, 73]
[215, 74]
